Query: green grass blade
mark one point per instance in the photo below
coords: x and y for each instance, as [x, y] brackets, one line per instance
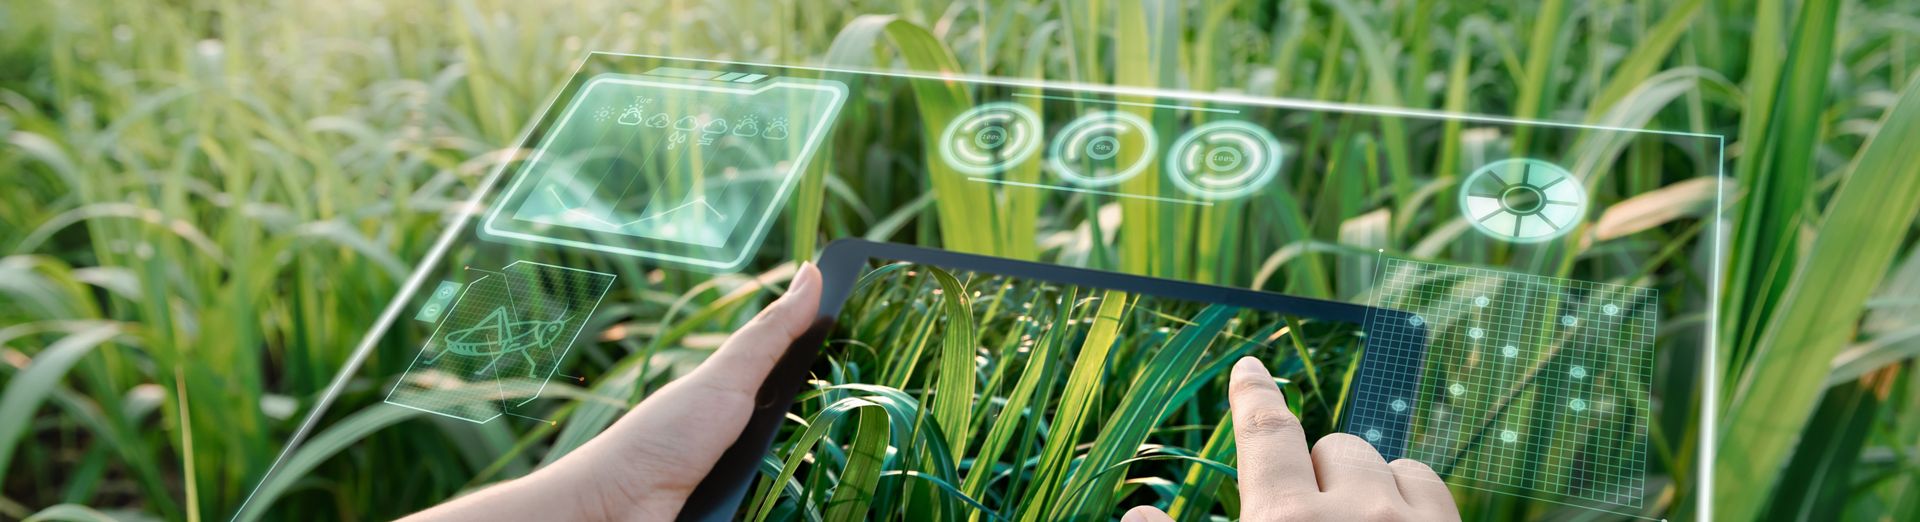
[1195, 501]
[938, 102]
[27, 390]
[1077, 401]
[70, 513]
[1646, 57]
[854, 492]
[1777, 174]
[1018, 409]
[954, 401]
[1149, 397]
[1820, 477]
[1866, 220]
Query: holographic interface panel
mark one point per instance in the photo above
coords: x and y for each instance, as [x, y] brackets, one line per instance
[1530, 385]
[679, 165]
[505, 328]
[658, 203]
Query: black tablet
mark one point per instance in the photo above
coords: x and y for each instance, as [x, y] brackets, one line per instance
[936, 383]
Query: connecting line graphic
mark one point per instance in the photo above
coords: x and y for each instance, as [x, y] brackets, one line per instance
[548, 422]
[1092, 191]
[1528, 382]
[580, 211]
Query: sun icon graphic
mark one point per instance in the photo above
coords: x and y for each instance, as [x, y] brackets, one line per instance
[603, 114]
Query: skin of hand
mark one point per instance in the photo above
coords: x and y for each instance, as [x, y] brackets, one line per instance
[1342, 478]
[644, 466]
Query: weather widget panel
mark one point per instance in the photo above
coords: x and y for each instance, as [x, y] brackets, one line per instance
[683, 166]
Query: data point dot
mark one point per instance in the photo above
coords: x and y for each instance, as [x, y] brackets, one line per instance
[1373, 434]
[1541, 318]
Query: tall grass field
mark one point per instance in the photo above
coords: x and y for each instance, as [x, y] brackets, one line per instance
[207, 203]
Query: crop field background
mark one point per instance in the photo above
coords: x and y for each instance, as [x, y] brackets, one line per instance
[207, 202]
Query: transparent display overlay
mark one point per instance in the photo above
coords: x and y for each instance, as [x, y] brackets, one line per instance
[509, 327]
[674, 165]
[1530, 385]
[628, 171]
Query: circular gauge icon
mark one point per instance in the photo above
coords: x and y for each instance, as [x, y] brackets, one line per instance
[1102, 148]
[1224, 159]
[1523, 200]
[991, 137]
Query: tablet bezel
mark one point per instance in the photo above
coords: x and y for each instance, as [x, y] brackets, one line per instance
[719, 494]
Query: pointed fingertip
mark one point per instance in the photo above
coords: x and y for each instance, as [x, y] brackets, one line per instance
[1251, 367]
[1145, 514]
[806, 279]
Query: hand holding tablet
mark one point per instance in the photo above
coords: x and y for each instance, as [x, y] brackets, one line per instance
[691, 450]
[646, 465]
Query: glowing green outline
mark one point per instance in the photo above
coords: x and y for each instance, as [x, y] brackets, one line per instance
[1479, 174]
[1640, 369]
[447, 315]
[837, 95]
[1056, 150]
[1259, 179]
[1020, 113]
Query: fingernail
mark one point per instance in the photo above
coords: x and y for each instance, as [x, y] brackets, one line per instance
[803, 278]
[1251, 367]
[1133, 515]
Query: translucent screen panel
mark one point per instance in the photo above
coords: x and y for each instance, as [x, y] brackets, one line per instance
[1528, 384]
[669, 165]
[506, 328]
[669, 175]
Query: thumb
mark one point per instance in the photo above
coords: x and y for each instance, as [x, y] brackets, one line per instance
[654, 455]
[1146, 514]
[744, 360]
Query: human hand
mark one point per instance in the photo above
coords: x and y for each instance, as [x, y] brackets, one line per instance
[1343, 478]
[644, 466]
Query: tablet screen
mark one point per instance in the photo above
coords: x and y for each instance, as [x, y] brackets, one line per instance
[942, 392]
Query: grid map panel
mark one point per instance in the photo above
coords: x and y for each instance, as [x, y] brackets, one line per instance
[513, 324]
[1527, 383]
